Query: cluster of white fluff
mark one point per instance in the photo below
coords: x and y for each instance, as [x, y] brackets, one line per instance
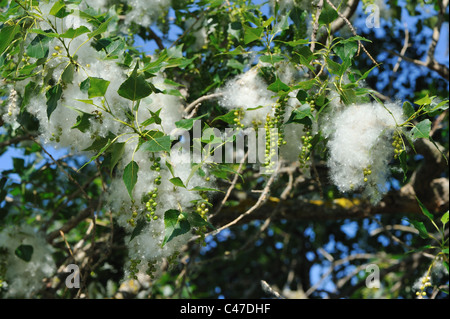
[437, 274]
[13, 110]
[248, 91]
[23, 278]
[143, 13]
[360, 138]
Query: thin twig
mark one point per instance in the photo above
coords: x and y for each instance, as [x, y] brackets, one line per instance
[233, 184]
[198, 101]
[316, 25]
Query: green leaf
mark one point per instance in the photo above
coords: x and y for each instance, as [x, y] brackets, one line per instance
[204, 189]
[188, 123]
[327, 15]
[294, 43]
[130, 176]
[24, 252]
[154, 118]
[298, 16]
[102, 28]
[227, 118]
[272, 59]
[31, 89]
[425, 210]
[305, 85]
[140, 225]
[73, 33]
[100, 143]
[444, 219]
[421, 228]
[158, 142]
[67, 75]
[175, 224]
[425, 100]
[57, 7]
[252, 34]
[442, 106]
[301, 115]
[278, 86]
[197, 221]
[177, 182]
[282, 25]
[117, 151]
[53, 95]
[403, 164]
[301, 96]
[346, 50]
[38, 48]
[135, 87]
[366, 74]
[333, 67]
[422, 129]
[97, 87]
[234, 29]
[83, 121]
[84, 85]
[7, 35]
[408, 109]
[107, 143]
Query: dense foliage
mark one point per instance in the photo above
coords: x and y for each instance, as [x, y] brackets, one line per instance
[343, 177]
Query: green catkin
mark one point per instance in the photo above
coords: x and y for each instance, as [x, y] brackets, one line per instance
[304, 155]
[238, 115]
[397, 143]
[274, 128]
[133, 268]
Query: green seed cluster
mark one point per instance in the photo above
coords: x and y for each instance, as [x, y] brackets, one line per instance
[56, 137]
[58, 49]
[304, 157]
[426, 282]
[367, 172]
[397, 144]
[98, 116]
[156, 166]
[271, 142]
[202, 209]
[239, 114]
[132, 220]
[312, 104]
[256, 124]
[172, 259]
[274, 132]
[151, 204]
[133, 268]
[2, 272]
[151, 269]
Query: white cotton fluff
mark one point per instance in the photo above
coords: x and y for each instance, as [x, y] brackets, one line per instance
[13, 110]
[145, 13]
[360, 138]
[24, 279]
[246, 91]
[434, 277]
